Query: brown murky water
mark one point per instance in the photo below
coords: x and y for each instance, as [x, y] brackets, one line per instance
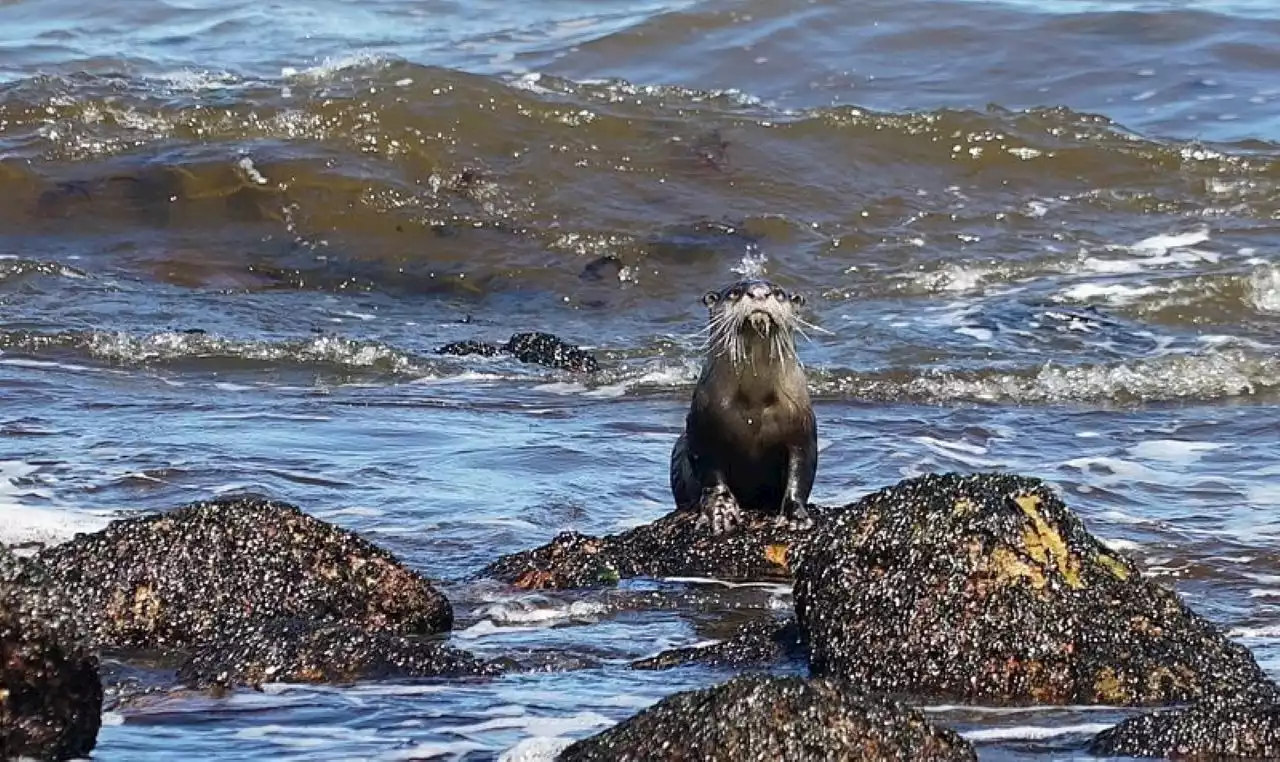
[1042, 237]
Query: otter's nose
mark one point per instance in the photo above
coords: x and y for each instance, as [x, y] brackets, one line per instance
[759, 291]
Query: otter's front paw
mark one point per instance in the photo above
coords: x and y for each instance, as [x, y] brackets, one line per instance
[720, 510]
[795, 517]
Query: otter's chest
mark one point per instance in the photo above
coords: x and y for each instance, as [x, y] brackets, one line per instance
[756, 420]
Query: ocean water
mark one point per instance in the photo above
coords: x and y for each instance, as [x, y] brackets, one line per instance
[1040, 237]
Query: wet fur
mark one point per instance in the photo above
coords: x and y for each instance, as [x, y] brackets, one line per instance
[750, 426]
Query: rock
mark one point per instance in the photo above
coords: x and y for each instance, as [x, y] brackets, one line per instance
[172, 580]
[780, 719]
[1211, 730]
[672, 546]
[545, 349]
[470, 347]
[302, 651]
[987, 588]
[50, 691]
[762, 641]
[537, 348]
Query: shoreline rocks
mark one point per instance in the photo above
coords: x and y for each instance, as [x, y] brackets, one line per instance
[299, 651]
[986, 588]
[173, 580]
[50, 691]
[671, 546]
[787, 719]
[1211, 730]
[761, 642]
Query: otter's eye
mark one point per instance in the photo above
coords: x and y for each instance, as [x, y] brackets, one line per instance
[780, 294]
[735, 294]
[710, 298]
[797, 300]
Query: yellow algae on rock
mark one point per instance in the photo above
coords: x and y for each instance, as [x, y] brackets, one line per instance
[1043, 540]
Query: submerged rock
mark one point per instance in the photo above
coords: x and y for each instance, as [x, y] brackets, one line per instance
[50, 691]
[759, 642]
[299, 651]
[782, 719]
[1214, 730]
[987, 588]
[672, 546]
[176, 579]
[537, 348]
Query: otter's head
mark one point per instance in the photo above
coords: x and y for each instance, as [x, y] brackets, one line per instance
[753, 318]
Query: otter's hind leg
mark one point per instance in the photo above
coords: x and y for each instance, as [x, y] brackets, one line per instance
[684, 482]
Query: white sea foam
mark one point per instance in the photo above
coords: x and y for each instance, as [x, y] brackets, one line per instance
[330, 66]
[536, 725]
[1173, 450]
[1120, 545]
[1263, 289]
[1163, 250]
[525, 611]
[1111, 293]
[773, 587]
[1163, 243]
[956, 278]
[959, 451]
[487, 628]
[1034, 732]
[1267, 632]
[537, 749]
[49, 522]
[1209, 375]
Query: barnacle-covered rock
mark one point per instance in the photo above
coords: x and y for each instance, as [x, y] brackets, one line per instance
[780, 719]
[987, 588]
[673, 546]
[302, 651]
[173, 580]
[50, 691]
[1213, 730]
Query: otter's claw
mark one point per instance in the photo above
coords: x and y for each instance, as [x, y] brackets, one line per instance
[719, 509]
[794, 517]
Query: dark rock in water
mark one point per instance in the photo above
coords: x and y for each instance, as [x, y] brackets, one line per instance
[469, 347]
[987, 588]
[780, 719]
[536, 348]
[672, 546]
[545, 349]
[303, 651]
[50, 691]
[1215, 730]
[760, 642]
[176, 579]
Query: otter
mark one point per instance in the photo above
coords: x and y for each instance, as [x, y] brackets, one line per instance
[750, 441]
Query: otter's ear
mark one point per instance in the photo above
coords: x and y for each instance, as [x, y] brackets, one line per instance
[798, 300]
[710, 298]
